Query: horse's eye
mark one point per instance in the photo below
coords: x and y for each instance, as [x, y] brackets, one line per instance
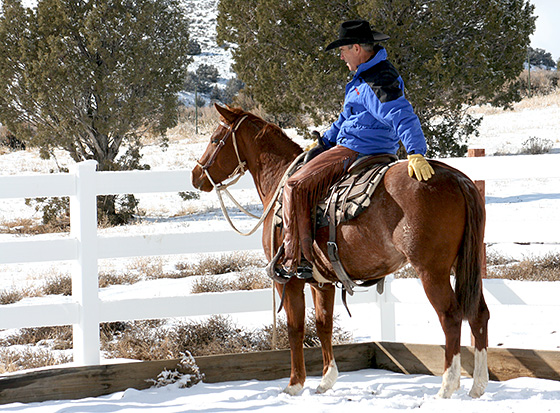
[215, 141]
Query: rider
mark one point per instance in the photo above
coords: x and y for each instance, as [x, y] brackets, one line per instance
[375, 116]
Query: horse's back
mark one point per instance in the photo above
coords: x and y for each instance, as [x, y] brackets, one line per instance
[408, 220]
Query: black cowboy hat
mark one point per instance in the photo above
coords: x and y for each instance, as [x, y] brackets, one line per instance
[356, 32]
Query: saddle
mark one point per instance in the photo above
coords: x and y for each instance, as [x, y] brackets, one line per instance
[347, 199]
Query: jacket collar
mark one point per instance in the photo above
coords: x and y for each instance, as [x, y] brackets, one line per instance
[379, 57]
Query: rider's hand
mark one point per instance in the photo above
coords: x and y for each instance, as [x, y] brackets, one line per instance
[311, 146]
[419, 166]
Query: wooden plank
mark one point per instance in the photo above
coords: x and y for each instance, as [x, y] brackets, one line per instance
[91, 381]
[503, 363]
[273, 365]
[79, 382]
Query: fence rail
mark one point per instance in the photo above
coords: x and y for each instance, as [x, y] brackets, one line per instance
[85, 310]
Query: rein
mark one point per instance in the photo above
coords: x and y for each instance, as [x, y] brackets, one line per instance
[237, 173]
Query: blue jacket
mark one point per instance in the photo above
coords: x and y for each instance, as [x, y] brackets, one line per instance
[376, 115]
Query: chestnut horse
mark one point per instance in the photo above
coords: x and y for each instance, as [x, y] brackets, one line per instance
[436, 225]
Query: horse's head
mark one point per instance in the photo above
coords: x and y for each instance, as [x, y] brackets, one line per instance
[221, 159]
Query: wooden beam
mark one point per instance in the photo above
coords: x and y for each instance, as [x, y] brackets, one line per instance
[92, 381]
[503, 364]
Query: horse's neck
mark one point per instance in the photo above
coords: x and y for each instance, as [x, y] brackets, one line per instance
[269, 173]
[268, 163]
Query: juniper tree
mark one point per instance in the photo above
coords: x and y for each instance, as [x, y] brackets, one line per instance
[450, 53]
[92, 76]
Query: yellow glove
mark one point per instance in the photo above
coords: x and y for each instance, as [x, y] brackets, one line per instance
[310, 146]
[419, 166]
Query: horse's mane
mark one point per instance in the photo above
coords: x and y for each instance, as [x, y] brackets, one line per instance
[269, 128]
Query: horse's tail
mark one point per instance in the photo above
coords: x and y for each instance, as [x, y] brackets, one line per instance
[470, 259]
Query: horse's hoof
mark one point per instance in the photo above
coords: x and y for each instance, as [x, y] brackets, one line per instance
[445, 393]
[451, 378]
[477, 391]
[294, 390]
[480, 374]
[329, 379]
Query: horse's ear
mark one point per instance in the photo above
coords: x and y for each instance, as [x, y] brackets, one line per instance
[226, 113]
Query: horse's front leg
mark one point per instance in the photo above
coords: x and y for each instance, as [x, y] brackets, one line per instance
[323, 298]
[294, 306]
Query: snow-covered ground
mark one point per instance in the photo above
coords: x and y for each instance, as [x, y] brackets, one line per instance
[361, 391]
[509, 202]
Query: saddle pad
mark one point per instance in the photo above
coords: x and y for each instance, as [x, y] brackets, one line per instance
[352, 194]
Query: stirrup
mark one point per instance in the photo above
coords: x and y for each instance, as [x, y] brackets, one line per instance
[277, 273]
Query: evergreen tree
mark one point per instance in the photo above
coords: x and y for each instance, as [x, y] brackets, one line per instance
[90, 75]
[541, 58]
[450, 53]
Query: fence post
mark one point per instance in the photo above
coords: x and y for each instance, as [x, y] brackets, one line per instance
[481, 186]
[387, 311]
[83, 224]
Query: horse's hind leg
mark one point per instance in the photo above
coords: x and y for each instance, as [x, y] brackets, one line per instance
[441, 295]
[479, 329]
[323, 298]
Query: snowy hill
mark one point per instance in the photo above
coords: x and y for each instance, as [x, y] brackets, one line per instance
[202, 15]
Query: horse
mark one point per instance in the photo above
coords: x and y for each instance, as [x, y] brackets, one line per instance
[437, 226]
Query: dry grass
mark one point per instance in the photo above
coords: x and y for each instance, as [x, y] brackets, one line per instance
[529, 268]
[536, 101]
[28, 226]
[221, 264]
[247, 280]
[153, 269]
[29, 358]
[152, 340]
[208, 119]
[545, 268]
[157, 339]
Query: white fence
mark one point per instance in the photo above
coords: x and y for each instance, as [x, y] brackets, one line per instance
[85, 310]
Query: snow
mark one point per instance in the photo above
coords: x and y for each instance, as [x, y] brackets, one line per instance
[510, 205]
[362, 391]
[516, 209]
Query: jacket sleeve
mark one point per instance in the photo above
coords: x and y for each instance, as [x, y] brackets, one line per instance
[329, 137]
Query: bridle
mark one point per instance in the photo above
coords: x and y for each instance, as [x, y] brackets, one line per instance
[241, 168]
[237, 173]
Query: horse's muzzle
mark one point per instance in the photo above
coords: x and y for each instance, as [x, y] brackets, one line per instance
[199, 180]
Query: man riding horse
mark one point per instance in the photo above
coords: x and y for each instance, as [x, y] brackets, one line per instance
[375, 117]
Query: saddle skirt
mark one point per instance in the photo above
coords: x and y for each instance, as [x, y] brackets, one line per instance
[352, 194]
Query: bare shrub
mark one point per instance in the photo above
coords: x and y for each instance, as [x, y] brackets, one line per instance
[58, 285]
[28, 226]
[188, 376]
[151, 340]
[56, 338]
[406, 272]
[543, 82]
[139, 340]
[536, 146]
[311, 338]
[545, 268]
[248, 280]
[10, 296]
[493, 258]
[29, 358]
[108, 279]
[216, 335]
[221, 264]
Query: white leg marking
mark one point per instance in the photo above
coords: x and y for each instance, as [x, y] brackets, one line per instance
[329, 379]
[451, 378]
[480, 373]
[294, 390]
